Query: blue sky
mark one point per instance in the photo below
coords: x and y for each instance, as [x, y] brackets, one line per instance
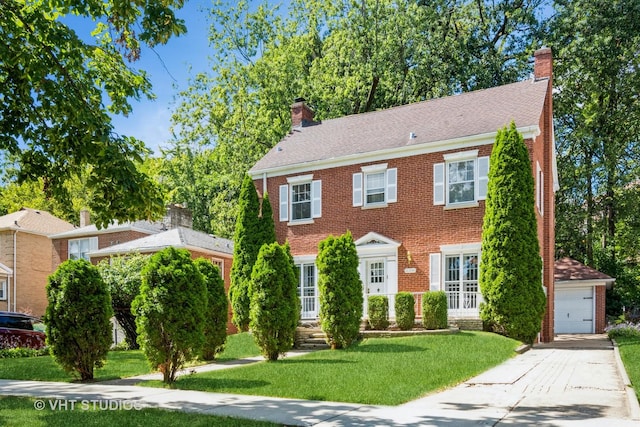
[169, 68]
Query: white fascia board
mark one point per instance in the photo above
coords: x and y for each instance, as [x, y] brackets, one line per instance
[567, 284]
[528, 132]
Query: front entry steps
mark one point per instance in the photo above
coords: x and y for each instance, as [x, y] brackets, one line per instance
[309, 336]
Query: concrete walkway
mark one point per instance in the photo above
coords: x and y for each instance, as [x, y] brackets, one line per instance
[577, 381]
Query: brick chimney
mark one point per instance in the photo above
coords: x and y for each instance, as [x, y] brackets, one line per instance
[85, 218]
[301, 114]
[543, 64]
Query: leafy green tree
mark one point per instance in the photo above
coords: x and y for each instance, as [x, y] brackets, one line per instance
[597, 119]
[170, 311]
[340, 289]
[511, 267]
[58, 91]
[123, 277]
[77, 318]
[254, 227]
[275, 306]
[215, 327]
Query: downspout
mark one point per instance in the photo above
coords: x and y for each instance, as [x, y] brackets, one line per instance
[264, 183]
[15, 272]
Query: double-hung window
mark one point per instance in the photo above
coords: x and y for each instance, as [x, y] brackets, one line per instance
[375, 186]
[300, 199]
[80, 248]
[461, 180]
[3, 289]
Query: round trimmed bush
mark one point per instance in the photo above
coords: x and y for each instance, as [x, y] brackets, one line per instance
[378, 306]
[434, 310]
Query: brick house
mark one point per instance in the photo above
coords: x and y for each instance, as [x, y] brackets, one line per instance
[409, 183]
[26, 254]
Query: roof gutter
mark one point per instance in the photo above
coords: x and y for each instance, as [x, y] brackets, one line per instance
[527, 132]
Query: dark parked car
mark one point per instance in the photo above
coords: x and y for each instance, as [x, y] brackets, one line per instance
[16, 330]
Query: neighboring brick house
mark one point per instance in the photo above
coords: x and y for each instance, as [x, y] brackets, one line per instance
[25, 259]
[201, 245]
[580, 298]
[409, 183]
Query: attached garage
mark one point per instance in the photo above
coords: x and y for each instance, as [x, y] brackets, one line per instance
[579, 301]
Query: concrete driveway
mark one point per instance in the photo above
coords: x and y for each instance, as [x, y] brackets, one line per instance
[576, 381]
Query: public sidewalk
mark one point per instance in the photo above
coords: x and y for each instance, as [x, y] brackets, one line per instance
[578, 381]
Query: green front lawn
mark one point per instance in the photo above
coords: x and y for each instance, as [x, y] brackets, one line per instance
[385, 371]
[630, 355]
[119, 364]
[20, 411]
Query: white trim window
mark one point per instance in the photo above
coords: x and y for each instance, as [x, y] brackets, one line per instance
[80, 248]
[455, 270]
[375, 186]
[3, 289]
[461, 181]
[300, 199]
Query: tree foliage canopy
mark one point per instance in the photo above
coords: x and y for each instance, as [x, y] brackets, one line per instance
[57, 91]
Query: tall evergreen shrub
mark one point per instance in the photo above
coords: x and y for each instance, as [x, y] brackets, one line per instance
[77, 318]
[254, 227]
[275, 305]
[170, 311]
[215, 324]
[511, 267]
[340, 289]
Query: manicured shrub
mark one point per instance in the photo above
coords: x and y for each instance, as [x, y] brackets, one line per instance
[511, 267]
[378, 307]
[340, 290]
[77, 318]
[405, 310]
[170, 311]
[254, 227]
[123, 277]
[434, 310]
[215, 324]
[275, 305]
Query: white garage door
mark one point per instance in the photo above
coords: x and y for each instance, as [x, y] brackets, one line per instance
[574, 311]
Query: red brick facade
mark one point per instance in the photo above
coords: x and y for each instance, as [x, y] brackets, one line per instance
[421, 227]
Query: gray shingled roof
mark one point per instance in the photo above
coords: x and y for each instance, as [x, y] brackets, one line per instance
[180, 237]
[567, 269]
[468, 114]
[34, 221]
[92, 230]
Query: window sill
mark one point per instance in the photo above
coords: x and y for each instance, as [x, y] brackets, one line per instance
[301, 222]
[462, 205]
[376, 206]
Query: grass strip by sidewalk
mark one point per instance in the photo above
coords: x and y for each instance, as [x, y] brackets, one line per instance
[119, 364]
[630, 354]
[20, 411]
[382, 371]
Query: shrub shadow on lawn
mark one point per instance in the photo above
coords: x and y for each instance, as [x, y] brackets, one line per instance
[212, 384]
[293, 361]
[385, 348]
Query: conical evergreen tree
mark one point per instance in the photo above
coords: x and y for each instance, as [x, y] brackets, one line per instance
[511, 267]
[254, 227]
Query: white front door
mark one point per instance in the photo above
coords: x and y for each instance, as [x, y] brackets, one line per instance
[573, 312]
[376, 277]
